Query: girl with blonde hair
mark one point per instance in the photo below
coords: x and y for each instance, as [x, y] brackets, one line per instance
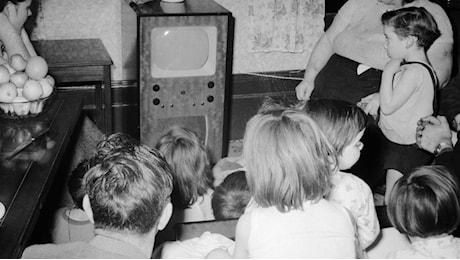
[289, 168]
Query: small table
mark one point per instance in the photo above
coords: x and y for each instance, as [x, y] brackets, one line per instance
[25, 180]
[82, 61]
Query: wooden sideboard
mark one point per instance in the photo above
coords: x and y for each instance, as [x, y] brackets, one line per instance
[25, 180]
[77, 63]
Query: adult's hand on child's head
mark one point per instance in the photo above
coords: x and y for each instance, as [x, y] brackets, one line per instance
[304, 89]
[431, 131]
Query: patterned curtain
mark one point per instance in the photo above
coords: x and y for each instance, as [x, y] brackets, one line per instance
[282, 25]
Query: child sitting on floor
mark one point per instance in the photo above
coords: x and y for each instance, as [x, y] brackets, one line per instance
[344, 123]
[288, 171]
[227, 165]
[72, 224]
[424, 204]
[228, 202]
[192, 179]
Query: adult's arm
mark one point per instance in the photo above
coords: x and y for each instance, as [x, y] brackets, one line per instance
[11, 38]
[449, 102]
[440, 57]
[320, 55]
[440, 53]
[25, 39]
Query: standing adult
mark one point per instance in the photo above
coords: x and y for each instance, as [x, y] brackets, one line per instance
[347, 61]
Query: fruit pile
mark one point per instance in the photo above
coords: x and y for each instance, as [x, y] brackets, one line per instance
[24, 85]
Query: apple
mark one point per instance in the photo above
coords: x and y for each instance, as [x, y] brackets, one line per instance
[32, 90]
[19, 78]
[46, 86]
[8, 92]
[4, 74]
[17, 62]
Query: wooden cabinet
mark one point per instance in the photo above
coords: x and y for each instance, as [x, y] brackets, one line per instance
[82, 65]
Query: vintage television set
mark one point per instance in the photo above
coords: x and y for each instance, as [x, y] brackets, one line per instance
[184, 60]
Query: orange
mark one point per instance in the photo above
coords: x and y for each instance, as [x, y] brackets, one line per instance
[36, 68]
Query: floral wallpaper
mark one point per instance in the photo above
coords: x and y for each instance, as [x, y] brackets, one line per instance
[280, 25]
[272, 35]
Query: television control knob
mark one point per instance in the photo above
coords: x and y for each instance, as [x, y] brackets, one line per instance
[156, 87]
[156, 101]
[210, 99]
[210, 84]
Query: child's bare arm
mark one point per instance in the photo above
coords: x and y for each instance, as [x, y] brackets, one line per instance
[397, 86]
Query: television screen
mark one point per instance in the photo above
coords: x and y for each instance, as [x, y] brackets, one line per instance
[184, 51]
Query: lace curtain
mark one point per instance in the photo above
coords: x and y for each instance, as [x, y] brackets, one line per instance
[282, 25]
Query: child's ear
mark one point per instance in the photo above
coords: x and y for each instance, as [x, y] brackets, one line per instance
[87, 208]
[411, 41]
[333, 162]
[165, 216]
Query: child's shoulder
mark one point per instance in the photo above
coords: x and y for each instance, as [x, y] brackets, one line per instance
[415, 67]
[348, 186]
[345, 178]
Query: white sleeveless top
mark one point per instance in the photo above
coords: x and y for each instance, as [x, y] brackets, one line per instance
[321, 230]
[400, 126]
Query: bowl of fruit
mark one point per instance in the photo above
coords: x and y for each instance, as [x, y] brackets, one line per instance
[25, 87]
